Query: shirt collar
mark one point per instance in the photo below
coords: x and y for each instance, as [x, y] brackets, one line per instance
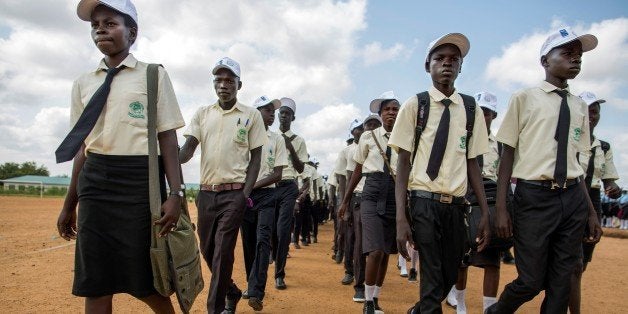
[548, 87]
[129, 62]
[238, 106]
[595, 143]
[439, 96]
[288, 133]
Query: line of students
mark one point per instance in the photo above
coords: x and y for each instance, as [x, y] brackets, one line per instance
[404, 180]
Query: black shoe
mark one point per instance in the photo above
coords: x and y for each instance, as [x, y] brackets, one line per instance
[412, 275]
[369, 307]
[280, 284]
[296, 245]
[231, 304]
[245, 294]
[359, 296]
[347, 279]
[338, 257]
[315, 240]
[377, 308]
[304, 243]
[256, 304]
[507, 258]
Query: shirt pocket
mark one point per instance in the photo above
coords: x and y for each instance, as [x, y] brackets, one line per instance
[134, 109]
[575, 126]
[241, 135]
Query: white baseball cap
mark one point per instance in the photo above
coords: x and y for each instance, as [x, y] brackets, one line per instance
[566, 35]
[372, 116]
[288, 102]
[264, 100]
[313, 160]
[354, 124]
[487, 100]
[590, 98]
[377, 103]
[86, 7]
[229, 64]
[459, 40]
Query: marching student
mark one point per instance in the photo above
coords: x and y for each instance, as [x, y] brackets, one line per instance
[110, 152]
[377, 163]
[599, 169]
[352, 199]
[231, 136]
[287, 189]
[436, 175]
[259, 220]
[542, 132]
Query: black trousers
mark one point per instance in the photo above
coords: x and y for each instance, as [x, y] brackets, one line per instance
[548, 229]
[438, 230]
[359, 259]
[286, 194]
[315, 214]
[220, 215]
[302, 220]
[346, 227]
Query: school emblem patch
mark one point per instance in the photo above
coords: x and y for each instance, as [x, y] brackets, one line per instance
[241, 136]
[463, 142]
[577, 132]
[136, 110]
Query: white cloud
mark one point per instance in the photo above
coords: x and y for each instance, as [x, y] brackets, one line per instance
[374, 53]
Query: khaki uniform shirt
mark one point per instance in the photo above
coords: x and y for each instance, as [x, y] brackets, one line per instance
[452, 176]
[315, 180]
[274, 154]
[491, 159]
[369, 154]
[121, 128]
[604, 167]
[529, 126]
[340, 168]
[351, 163]
[305, 175]
[226, 138]
[289, 173]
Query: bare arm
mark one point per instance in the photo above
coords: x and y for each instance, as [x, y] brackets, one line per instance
[66, 222]
[294, 157]
[503, 222]
[272, 178]
[252, 171]
[404, 234]
[593, 223]
[342, 184]
[187, 151]
[171, 208]
[475, 178]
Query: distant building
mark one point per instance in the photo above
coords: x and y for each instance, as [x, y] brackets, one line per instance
[25, 182]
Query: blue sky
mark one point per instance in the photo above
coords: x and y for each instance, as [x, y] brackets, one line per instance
[332, 57]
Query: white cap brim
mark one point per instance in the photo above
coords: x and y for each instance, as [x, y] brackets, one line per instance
[276, 104]
[457, 39]
[85, 8]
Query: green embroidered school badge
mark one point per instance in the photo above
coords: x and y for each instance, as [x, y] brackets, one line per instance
[241, 136]
[463, 142]
[577, 132]
[136, 110]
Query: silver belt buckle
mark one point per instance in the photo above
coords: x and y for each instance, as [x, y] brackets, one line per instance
[447, 199]
[556, 186]
[214, 187]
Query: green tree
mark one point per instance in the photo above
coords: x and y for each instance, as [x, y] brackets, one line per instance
[12, 170]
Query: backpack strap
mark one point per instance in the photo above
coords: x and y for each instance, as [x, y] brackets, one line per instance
[469, 106]
[588, 179]
[423, 112]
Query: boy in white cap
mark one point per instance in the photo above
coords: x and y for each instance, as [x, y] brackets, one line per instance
[110, 152]
[259, 220]
[542, 132]
[287, 189]
[351, 203]
[346, 235]
[489, 258]
[231, 136]
[599, 169]
[444, 161]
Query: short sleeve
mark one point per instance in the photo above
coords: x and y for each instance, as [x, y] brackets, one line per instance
[509, 130]
[362, 150]
[402, 136]
[584, 144]
[194, 129]
[350, 161]
[168, 113]
[77, 106]
[302, 152]
[257, 133]
[281, 153]
[610, 172]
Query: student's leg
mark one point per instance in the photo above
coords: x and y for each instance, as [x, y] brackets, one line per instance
[249, 235]
[349, 245]
[565, 251]
[207, 216]
[298, 223]
[316, 214]
[305, 220]
[159, 304]
[99, 305]
[258, 277]
[288, 196]
[371, 273]
[359, 259]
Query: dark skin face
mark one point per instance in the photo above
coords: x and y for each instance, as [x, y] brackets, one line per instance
[444, 64]
[286, 116]
[268, 114]
[226, 85]
[371, 125]
[594, 115]
[389, 114]
[489, 115]
[111, 36]
[357, 132]
[562, 63]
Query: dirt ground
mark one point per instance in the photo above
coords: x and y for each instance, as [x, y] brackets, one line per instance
[36, 270]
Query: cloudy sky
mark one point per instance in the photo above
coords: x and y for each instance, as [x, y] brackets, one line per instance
[332, 57]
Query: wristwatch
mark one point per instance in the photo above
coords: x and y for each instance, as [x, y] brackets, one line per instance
[177, 193]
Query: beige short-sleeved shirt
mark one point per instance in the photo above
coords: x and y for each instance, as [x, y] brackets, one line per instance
[370, 156]
[452, 175]
[315, 179]
[289, 173]
[226, 138]
[351, 166]
[491, 159]
[121, 128]
[604, 167]
[307, 174]
[340, 168]
[529, 126]
[331, 181]
[274, 154]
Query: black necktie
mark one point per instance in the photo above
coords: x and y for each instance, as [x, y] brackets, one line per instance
[440, 143]
[73, 141]
[562, 136]
[388, 154]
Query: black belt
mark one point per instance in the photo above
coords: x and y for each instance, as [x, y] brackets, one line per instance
[551, 184]
[377, 175]
[443, 198]
[286, 182]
